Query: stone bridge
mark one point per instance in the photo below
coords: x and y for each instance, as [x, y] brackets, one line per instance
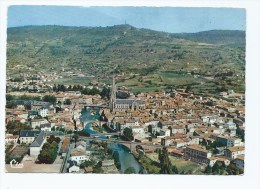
[133, 146]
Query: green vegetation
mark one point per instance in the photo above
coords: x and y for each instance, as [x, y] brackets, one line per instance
[117, 161]
[92, 91]
[16, 154]
[49, 98]
[165, 162]
[128, 134]
[130, 170]
[53, 139]
[23, 97]
[15, 127]
[202, 60]
[148, 165]
[87, 163]
[48, 153]
[219, 168]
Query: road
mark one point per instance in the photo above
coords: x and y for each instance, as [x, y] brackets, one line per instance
[120, 141]
[66, 158]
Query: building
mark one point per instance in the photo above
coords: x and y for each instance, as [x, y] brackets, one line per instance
[45, 127]
[11, 138]
[38, 122]
[129, 104]
[197, 154]
[78, 155]
[37, 144]
[27, 137]
[229, 141]
[239, 161]
[234, 152]
[60, 98]
[213, 160]
[43, 111]
[124, 104]
[65, 147]
[73, 167]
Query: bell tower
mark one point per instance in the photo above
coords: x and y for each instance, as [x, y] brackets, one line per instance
[113, 95]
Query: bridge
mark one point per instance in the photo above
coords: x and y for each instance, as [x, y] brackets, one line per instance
[96, 106]
[133, 146]
[105, 134]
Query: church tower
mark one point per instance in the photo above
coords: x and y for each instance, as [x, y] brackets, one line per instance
[113, 96]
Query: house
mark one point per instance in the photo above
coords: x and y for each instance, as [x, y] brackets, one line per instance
[197, 153]
[73, 167]
[27, 137]
[45, 127]
[32, 114]
[78, 155]
[19, 119]
[239, 161]
[9, 138]
[138, 129]
[107, 163]
[178, 129]
[233, 152]
[60, 98]
[229, 141]
[37, 122]
[43, 111]
[65, 146]
[213, 160]
[174, 152]
[165, 132]
[37, 144]
[36, 105]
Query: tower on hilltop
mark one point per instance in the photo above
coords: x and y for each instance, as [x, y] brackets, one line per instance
[113, 95]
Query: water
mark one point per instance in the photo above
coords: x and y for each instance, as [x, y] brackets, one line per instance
[87, 115]
[126, 159]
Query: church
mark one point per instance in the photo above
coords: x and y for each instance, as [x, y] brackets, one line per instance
[124, 104]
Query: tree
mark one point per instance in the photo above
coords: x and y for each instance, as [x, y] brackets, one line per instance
[105, 93]
[130, 170]
[87, 163]
[49, 98]
[48, 153]
[128, 133]
[165, 163]
[208, 170]
[67, 102]
[175, 170]
[53, 138]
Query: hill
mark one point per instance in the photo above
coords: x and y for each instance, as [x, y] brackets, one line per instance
[225, 37]
[145, 59]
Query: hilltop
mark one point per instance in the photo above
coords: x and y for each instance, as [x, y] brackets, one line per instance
[145, 59]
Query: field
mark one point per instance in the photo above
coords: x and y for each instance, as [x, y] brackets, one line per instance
[187, 167]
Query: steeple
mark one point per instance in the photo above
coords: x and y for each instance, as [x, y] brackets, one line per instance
[113, 95]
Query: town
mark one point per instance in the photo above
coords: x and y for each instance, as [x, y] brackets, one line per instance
[104, 129]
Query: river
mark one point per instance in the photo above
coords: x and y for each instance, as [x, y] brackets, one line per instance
[125, 157]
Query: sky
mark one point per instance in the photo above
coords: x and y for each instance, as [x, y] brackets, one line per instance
[167, 19]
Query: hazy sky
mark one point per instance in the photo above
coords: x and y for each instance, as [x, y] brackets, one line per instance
[167, 19]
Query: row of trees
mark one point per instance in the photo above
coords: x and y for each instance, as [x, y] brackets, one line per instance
[22, 97]
[49, 151]
[49, 98]
[219, 168]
